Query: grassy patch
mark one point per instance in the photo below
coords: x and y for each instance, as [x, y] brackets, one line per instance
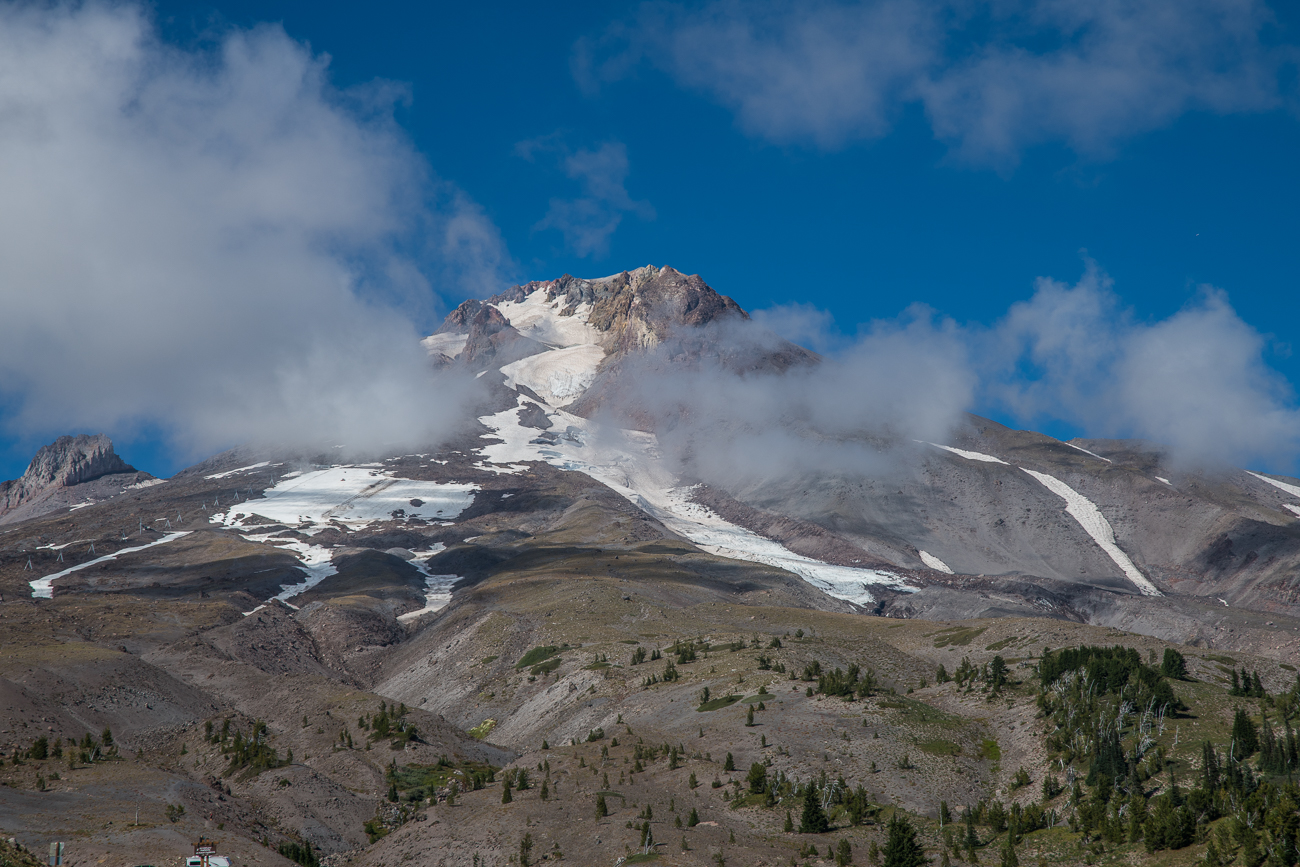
[939, 747]
[537, 654]
[1287, 667]
[483, 729]
[718, 703]
[1225, 660]
[629, 641]
[546, 667]
[595, 666]
[959, 636]
[489, 659]
[990, 750]
[409, 778]
[1003, 644]
[755, 699]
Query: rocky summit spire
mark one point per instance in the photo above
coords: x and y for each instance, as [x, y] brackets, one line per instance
[63, 463]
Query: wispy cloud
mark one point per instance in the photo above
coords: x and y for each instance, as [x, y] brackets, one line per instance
[992, 78]
[216, 243]
[589, 220]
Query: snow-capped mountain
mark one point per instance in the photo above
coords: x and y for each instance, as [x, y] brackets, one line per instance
[990, 507]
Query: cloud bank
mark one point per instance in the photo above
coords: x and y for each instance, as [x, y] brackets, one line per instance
[1196, 382]
[992, 78]
[216, 243]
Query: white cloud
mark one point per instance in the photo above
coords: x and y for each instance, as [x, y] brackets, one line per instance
[1196, 381]
[588, 221]
[992, 78]
[213, 243]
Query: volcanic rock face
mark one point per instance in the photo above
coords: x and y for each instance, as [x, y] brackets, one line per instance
[64, 463]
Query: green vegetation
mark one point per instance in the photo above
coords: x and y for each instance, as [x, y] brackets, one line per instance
[718, 703]
[252, 754]
[958, 636]
[301, 853]
[846, 684]
[415, 783]
[939, 747]
[483, 729]
[536, 655]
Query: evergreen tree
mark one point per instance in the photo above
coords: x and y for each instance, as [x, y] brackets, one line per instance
[902, 848]
[1009, 858]
[506, 797]
[814, 819]
[601, 810]
[1245, 738]
[843, 854]
[729, 764]
[1173, 665]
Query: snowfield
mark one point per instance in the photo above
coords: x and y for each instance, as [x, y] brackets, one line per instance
[354, 496]
[629, 463]
[1095, 525]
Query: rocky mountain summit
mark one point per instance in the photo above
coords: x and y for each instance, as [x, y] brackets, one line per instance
[67, 463]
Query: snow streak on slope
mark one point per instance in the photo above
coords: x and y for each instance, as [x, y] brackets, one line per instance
[1291, 489]
[437, 588]
[1095, 524]
[43, 588]
[971, 456]
[629, 463]
[1086, 452]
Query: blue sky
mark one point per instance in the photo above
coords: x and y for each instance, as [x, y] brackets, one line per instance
[858, 159]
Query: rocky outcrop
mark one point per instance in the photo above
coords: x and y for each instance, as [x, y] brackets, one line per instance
[65, 463]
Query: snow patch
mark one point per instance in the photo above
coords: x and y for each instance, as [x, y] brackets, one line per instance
[629, 462]
[1166, 481]
[971, 456]
[1095, 525]
[147, 483]
[1292, 507]
[934, 562]
[42, 588]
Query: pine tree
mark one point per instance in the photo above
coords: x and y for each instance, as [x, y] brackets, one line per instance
[789, 823]
[1009, 858]
[729, 764]
[902, 848]
[506, 797]
[814, 819]
[601, 810]
[843, 854]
